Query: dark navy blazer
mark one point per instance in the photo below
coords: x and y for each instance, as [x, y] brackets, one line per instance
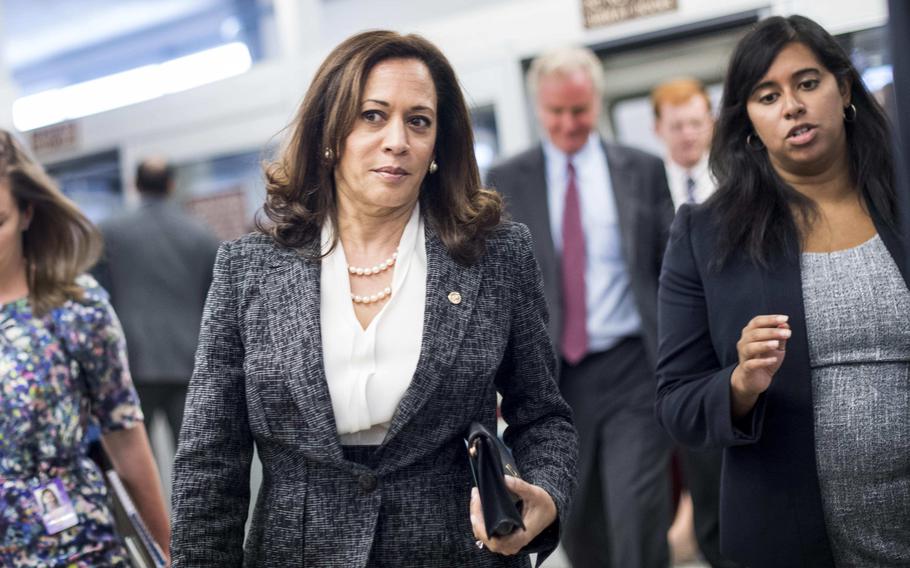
[771, 509]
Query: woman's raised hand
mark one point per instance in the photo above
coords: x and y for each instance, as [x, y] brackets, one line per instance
[761, 349]
[537, 513]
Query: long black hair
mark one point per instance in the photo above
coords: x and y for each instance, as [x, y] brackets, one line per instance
[756, 211]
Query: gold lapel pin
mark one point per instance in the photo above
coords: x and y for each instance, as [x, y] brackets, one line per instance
[455, 297]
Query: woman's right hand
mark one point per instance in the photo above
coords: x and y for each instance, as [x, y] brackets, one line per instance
[761, 349]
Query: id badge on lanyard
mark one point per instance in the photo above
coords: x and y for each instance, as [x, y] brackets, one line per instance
[57, 512]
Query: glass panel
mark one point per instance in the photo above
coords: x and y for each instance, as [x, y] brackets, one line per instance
[871, 55]
[486, 137]
[93, 182]
[224, 192]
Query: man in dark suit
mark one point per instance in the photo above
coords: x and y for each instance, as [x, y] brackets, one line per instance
[599, 214]
[157, 267]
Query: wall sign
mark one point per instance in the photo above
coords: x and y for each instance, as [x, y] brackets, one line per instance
[605, 12]
[54, 139]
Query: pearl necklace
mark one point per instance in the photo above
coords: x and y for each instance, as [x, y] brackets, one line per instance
[382, 295]
[371, 271]
[375, 269]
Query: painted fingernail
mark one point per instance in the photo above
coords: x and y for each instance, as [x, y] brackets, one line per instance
[785, 333]
[782, 319]
[773, 344]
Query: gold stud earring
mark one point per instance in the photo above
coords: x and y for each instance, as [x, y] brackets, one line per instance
[433, 167]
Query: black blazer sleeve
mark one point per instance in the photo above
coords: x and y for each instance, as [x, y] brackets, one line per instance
[693, 391]
[540, 432]
[216, 445]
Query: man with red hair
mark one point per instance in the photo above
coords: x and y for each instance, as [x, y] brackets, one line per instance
[683, 121]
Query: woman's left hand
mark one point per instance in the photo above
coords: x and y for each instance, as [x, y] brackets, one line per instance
[538, 512]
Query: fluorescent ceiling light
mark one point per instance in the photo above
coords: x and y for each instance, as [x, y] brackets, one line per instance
[129, 87]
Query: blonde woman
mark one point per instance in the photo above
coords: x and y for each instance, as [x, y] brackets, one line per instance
[62, 366]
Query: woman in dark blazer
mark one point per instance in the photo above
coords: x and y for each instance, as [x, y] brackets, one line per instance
[784, 313]
[355, 338]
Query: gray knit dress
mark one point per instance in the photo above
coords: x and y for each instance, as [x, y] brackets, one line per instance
[858, 322]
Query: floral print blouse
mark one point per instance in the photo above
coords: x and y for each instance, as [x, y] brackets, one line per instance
[58, 374]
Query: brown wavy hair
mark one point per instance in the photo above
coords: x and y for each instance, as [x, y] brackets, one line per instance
[300, 183]
[60, 242]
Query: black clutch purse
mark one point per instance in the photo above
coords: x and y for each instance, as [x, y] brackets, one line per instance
[490, 460]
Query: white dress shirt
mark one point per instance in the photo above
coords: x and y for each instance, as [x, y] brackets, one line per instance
[369, 370]
[676, 178]
[612, 312]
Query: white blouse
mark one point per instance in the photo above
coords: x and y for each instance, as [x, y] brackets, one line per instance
[369, 370]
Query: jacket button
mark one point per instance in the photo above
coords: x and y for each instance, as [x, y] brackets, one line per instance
[367, 482]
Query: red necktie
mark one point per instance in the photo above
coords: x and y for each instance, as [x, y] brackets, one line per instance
[574, 340]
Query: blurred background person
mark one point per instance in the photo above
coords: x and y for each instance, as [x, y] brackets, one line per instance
[355, 339]
[157, 268]
[600, 215]
[62, 366]
[785, 312]
[684, 123]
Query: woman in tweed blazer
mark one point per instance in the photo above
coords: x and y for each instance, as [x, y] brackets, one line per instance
[380, 165]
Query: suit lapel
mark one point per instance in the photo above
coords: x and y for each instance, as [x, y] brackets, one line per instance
[444, 326]
[537, 211]
[896, 244]
[292, 289]
[782, 288]
[625, 183]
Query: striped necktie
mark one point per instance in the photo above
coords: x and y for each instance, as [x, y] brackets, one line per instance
[690, 189]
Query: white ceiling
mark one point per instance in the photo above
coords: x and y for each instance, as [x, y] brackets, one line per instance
[35, 30]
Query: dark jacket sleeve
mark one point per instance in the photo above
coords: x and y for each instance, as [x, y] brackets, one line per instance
[493, 177]
[102, 269]
[499, 180]
[693, 390]
[665, 210]
[540, 431]
[211, 488]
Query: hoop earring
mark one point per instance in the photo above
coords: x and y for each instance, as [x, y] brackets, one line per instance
[329, 154]
[850, 113]
[434, 167]
[751, 140]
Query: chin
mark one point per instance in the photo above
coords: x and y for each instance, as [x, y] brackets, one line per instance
[396, 201]
[571, 147]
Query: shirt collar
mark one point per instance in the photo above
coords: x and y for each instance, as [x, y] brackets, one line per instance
[554, 155]
[696, 172]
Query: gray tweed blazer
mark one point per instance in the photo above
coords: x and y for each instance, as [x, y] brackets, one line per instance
[259, 379]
